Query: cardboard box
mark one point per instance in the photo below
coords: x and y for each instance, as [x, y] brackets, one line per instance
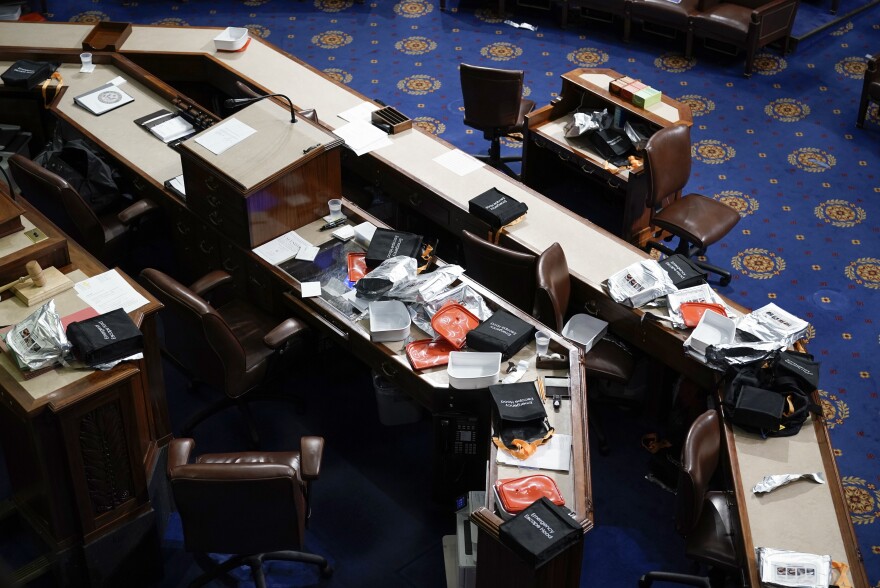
[647, 97]
[627, 92]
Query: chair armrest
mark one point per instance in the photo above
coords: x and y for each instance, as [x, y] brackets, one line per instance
[136, 210]
[773, 6]
[871, 73]
[178, 452]
[278, 336]
[311, 451]
[210, 281]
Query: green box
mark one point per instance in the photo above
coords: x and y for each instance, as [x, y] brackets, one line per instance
[647, 97]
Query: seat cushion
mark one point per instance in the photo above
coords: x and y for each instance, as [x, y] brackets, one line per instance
[113, 229]
[249, 325]
[725, 21]
[664, 12]
[698, 219]
[609, 361]
[712, 539]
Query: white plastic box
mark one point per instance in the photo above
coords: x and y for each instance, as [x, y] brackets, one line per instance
[470, 370]
[389, 321]
[712, 329]
[584, 330]
[231, 39]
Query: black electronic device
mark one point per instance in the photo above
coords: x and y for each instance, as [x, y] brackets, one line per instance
[236, 102]
[461, 449]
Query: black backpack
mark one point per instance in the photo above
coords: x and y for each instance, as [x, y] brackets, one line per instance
[771, 398]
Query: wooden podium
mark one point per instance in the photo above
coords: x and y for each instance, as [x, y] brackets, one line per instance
[275, 180]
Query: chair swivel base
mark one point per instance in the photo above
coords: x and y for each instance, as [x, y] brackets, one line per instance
[500, 163]
[255, 563]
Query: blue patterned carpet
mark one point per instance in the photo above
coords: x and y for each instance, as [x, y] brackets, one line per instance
[782, 148]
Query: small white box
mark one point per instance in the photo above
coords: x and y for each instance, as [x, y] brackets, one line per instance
[584, 330]
[389, 321]
[713, 329]
[231, 39]
[363, 233]
[469, 370]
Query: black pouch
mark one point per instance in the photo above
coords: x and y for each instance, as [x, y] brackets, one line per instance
[496, 208]
[519, 413]
[757, 408]
[799, 366]
[107, 337]
[612, 145]
[682, 271]
[386, 244]
[500, 332]
[540, 532]
[26, 74]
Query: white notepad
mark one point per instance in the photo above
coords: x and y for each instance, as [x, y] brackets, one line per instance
[103, 99]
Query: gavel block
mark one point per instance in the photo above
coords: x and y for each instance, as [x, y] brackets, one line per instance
[54, 283]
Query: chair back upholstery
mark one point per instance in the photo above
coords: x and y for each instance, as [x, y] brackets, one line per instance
[491, 98]
[508, 273]
[197, 336]
[554, 287]
[699, 460]
[668, 164]
[46, 190]
[240, 506]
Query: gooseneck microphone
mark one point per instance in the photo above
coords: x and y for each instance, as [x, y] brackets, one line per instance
[236, 102]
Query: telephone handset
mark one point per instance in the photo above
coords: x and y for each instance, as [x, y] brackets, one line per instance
[458, 434]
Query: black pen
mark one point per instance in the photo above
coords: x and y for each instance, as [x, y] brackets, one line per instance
[333, 224]
[307, 149]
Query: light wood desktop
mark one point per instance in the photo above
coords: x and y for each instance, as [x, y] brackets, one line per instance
[407, 170]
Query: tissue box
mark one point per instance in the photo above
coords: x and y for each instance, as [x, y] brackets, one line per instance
[647, 97]
[627, 92]
[615, 86]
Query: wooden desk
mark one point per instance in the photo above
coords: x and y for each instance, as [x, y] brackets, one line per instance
[405, 170]
[615, 200]
[813, 518]
[84, 458]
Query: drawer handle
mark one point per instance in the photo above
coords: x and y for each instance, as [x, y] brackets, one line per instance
[587, 169]
[206, 246]
[183, 228]
[614, 184]
[230, 266]
[213, 200]
[215, 217]
[539, 142]
[415, 199]
[211, 183]
[138, 183]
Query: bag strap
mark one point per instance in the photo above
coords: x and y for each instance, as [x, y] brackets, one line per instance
[45, 87]
[523, 449]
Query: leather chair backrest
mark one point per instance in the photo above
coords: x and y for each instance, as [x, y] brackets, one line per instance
[699, 460]
[46, 189]
[239, 507]
[508, 273]
[554, 287]
[491, 96]
[668, 164]
[197, 336]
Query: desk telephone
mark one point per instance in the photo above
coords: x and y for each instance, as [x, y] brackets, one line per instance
[458, 434]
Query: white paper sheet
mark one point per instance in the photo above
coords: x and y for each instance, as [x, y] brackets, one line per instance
[307, 253]
[109, 291]
[310, 289]
[458, 161]
[282, 248]
[360, 112]
[224, 135]
[362, 137]
[344, 233]
[553, 455]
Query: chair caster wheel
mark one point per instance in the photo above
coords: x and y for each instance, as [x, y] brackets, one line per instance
[725, 281]
[327, 571]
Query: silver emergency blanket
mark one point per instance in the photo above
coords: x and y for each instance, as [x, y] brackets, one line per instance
[425, 286]
[422, 312]
[39, 340]
[771, 483]
[582, 123]
[700, 293]
[778, 567]
[773, 324]
[639, 283]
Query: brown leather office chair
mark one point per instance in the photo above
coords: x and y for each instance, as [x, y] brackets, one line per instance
[706, 518]
[493, 103]
[252, 504]
[223, 341]
[605, 360]
[696, 220]
[665, 18]
[104, 236]
[745, 24]
[870, 89]
[508, 273]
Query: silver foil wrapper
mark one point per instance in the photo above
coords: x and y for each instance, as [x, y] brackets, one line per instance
[39, 340]
[770, 483]
[422, 312]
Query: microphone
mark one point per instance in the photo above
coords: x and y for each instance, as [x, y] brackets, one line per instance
[236, 102]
